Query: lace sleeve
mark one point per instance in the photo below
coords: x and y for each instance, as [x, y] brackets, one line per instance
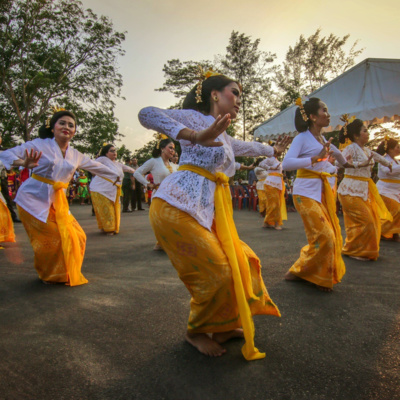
[381, 160]
[169, 122]
[250, 149]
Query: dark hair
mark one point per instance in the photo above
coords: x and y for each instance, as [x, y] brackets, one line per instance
[159, 146]
[217, 82]
[311, 106]
[127, 159]
[45, 132]
[390, 144]
[257, 162]
[353, 130]
[105, 149]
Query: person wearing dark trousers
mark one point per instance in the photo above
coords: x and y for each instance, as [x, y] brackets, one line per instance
[128, 185]
[137, 193]
[5, 193]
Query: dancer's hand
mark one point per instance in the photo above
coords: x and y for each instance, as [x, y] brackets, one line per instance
[324, 153]
[207, 137]
[31, 159]
[281, 144]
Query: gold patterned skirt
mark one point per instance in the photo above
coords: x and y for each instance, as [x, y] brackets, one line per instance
[389, 228]
[108, 213]
[262, 200]
[363, 227]
[6, 224]
[316, 263]
[45, 239]
[203, 267]
[273, 213]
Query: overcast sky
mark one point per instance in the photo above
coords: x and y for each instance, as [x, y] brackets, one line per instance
[158, 31]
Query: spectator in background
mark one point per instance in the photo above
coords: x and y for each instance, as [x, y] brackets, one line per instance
[128, 189]
[137, 193]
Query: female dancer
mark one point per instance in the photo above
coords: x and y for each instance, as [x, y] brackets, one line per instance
[57, 239]
[159, 166]
[106, 194]
[6, 224]
[261, 175]
[363, 207]
[320, 261]
[274, 187]
[222, 274]
[389, 188]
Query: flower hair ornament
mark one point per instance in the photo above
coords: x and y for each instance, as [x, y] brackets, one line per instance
[299, 103]
[347, 120]
[51, 112]
[202, 77]
[386, 142]
[160, 136]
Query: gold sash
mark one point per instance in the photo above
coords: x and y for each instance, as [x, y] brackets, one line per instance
[283, 201]
[331, 207]
[232, 247]
[390, 180]
[381, 206]
[69, 239]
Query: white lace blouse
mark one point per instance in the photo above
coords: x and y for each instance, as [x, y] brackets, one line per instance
[261, 175]
[271, 164]
[187, 190]
[157, 168]
[303, 148]
[36, 197]
[107, 188]
[359, 155]
[391, 190]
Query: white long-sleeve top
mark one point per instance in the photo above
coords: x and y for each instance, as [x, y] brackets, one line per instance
[106, 188]
[187, 190]
[359, 155]
[157, 168]
[1, 195]
[36, 197]
[261, 175]
[271, 164]
[391, 190]
[303, 148]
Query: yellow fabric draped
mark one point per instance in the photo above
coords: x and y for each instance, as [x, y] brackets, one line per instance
[331, 207]
[231, 245]
[69, 239]
[383, 212]
[6, 224]
[283, 201]
[390, 180]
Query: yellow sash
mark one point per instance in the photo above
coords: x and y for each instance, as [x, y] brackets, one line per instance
[283, 201]
[331, 207]
[383, 212]
[69, 240]
[232, 247]
[390, 180]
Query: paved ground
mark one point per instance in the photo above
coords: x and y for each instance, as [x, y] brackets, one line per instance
[120, 336]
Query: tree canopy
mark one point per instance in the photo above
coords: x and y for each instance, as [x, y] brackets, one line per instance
[52, 51]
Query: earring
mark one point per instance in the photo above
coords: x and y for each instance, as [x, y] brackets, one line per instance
[215, 98]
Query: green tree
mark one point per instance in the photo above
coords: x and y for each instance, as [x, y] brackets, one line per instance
[55, 49]
[311, 63]
[252, 68]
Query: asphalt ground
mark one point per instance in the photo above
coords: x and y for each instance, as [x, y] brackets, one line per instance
[121, 335]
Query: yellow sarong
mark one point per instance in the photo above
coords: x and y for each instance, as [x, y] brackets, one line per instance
[331, 209]
[234, 251]
[261, 200]
[70, 239]
[389, 228]
[376, 198]
[6, 224]
[282, 196]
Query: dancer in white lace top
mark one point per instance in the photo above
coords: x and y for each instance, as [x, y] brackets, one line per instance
[182, 214]
[362, 205]
[389, 187]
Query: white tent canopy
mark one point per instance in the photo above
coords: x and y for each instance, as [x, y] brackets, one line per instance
[370, 91]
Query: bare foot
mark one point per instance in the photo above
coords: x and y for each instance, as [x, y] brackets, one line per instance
[360, 258]
[278, 227]
[266, 226]
[204, 344]
[157, 247]
[51, 283]
[324, 289]
[291, 277]
[110, 233]
[222, 337]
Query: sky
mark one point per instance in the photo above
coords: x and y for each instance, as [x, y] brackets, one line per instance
[161, 30]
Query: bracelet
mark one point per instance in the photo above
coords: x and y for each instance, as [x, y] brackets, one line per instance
[193, 137]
